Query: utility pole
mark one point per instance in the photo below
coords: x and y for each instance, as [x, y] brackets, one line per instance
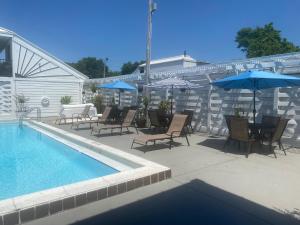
[151, 8]
[104, 66]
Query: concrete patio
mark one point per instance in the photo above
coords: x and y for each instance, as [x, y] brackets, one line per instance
[208, 186]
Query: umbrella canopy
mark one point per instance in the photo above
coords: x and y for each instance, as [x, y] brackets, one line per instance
[118, 85]
[257, 80]
[121, 85]
[173, 82]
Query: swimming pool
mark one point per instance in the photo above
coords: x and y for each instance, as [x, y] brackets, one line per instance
[45, 170]
[31, 161]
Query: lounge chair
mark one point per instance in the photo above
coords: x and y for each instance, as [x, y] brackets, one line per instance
[75, 116]
[128, 122]
[103, 119]
[175, 130]
[240, 132]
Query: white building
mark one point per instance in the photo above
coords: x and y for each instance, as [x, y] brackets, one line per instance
[170, 63]
[28, 70]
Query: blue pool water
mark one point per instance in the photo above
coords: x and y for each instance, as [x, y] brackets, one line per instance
[31, 161]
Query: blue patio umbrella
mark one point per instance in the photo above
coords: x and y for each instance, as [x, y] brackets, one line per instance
[118, 85]
[256, 80]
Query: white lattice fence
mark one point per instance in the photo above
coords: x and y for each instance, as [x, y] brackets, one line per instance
[6, 101]
[211, 104]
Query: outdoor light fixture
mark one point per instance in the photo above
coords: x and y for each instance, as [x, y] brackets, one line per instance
[153, 7]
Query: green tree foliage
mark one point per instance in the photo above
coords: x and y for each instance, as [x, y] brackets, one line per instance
[263, 41]
[130, 67]
[93, 88]
[93, 67]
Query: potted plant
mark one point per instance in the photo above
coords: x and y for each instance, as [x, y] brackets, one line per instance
[141, 117]
[237, 112]
[65, 100]
[164, 107]
[93, 88]
[98, 103]
[20, 102]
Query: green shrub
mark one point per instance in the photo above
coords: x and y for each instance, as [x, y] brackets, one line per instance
[65, 100]
[98, 103]
[164, 106]
[93, 88]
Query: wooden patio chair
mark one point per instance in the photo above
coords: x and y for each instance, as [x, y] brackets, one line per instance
[128, 122]
[76, 116]
[175, 130]
[188, 125]
[154, 118]
[240, 132]
[103, 119]
[228, 119]
[276, 135]
[267, 121]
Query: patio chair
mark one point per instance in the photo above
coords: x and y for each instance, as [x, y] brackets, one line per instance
[103, 119]
[154, 118]
[76, 116]
[240, 132]
[267, 121]
[128, 122]
[175, 130]
[228, 119]
[276, 135]
[188, 124]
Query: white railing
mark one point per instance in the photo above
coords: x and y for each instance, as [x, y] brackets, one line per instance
[6, 97]
[210, 104]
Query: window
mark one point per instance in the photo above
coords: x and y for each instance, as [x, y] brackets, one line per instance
[5, 57]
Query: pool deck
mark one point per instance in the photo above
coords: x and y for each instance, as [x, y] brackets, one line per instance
[208, 186]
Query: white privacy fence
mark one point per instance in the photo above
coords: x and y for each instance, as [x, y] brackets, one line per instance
[6, 97]
[211, 104]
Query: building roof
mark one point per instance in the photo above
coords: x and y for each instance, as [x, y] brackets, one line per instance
[6, 31]
[171, 59]
[75, 72]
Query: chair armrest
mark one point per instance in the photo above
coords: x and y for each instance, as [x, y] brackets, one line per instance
[75, 115]
[175, 131]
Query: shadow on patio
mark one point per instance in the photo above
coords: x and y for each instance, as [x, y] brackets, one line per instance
[193, 203]
[217, 143]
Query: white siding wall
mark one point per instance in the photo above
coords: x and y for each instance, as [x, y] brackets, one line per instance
[54, 90]
[38, 74]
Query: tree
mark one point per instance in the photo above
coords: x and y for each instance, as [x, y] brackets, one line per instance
[130, 67]
[263, 41]
[91, 66]
[93, 88]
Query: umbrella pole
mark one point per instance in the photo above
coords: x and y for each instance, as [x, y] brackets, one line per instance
[172, 101]
[254, 109]
[119, 97]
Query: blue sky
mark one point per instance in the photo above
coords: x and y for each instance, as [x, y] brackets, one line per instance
[117, 28]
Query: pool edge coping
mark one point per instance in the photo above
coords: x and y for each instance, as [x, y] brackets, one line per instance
[41, 204]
